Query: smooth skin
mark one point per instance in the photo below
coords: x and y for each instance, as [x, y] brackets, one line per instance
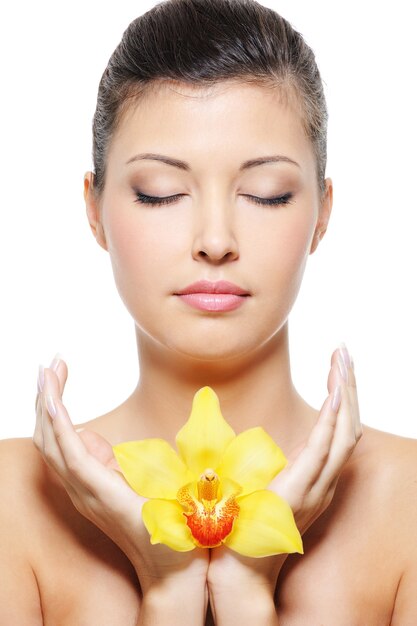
[88, 471]
[352, 488]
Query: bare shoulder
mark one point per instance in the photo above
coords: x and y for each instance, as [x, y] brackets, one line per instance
[393, 456]
[390, 462]
[20, 448]
[21, 471]
[27, 483]
[21, 468]
[387, 471]
[23, 487]
[22, 454]
[377, 495]
[393, 461]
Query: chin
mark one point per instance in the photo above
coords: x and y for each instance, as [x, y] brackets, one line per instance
[212, 351]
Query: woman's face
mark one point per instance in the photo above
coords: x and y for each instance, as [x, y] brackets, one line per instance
[214, 230]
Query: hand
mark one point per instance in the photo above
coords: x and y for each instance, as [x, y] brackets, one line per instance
[85, 464]
[307, 483]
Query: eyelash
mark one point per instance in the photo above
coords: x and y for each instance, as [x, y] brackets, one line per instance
[141, 198]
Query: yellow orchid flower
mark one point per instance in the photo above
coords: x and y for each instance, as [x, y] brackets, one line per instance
[214, 491]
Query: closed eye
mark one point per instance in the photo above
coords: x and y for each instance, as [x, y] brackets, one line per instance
[285, 199]
[142, 198]
[154, 200]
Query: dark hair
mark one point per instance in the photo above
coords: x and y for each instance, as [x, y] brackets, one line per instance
[202, 42]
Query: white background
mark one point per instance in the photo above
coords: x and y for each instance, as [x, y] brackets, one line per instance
[57, 286]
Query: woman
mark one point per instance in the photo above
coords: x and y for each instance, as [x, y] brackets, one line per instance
[216, 107]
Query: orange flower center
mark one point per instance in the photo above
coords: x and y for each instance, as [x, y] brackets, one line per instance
[209, 516]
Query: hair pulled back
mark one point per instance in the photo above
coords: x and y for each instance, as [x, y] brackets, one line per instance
[203, 42]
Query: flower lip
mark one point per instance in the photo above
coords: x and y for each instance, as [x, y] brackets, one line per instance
[205, 286]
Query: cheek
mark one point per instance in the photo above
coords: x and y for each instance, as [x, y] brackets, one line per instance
[280, 256]
[294, 247]
[143, 248]
[280, 273]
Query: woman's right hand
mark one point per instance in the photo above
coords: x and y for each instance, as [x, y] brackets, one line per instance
[85, 464]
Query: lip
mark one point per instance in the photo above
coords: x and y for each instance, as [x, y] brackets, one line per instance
[216, 297]
[216, 302]
[205, 286]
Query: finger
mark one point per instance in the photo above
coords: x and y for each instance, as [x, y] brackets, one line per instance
[83, 475]
[339, 371]
[82, 465]
[343, 444]
[61, 370]
[354, 402]
[43, 434]
[310, 462]
[37, 437]
[352, 390]
[49, 446]
[333, 378]
[295, 481]
[348, 421]
[39, 385]
[90, 445]
[345, 373]
[59, 366]
[103, 483]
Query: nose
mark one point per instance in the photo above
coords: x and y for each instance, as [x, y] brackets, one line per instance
[214, 237]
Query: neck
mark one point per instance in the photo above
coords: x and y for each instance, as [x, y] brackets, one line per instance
[254, 390]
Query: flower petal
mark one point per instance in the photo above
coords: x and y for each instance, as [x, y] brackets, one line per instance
[152, 467]
[206, 434]
[265, 526]
[165, 522]
[252, 459]
[229, 487]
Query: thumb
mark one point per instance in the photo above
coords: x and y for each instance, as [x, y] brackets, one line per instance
[99, 448]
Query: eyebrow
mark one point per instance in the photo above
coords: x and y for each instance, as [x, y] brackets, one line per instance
[185, 166]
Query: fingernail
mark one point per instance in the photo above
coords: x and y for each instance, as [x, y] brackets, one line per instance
[55, 361]
[342, 366]
[345, 354]
[41, 379]
[337, 396]
[51, 406]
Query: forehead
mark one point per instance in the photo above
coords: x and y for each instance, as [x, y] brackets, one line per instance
[224, 99]
[228, 116]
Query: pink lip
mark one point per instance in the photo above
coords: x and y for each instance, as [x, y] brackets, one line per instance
[221, 286]
[207, 296]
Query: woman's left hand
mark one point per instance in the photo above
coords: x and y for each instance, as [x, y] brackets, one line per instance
[307, 483]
